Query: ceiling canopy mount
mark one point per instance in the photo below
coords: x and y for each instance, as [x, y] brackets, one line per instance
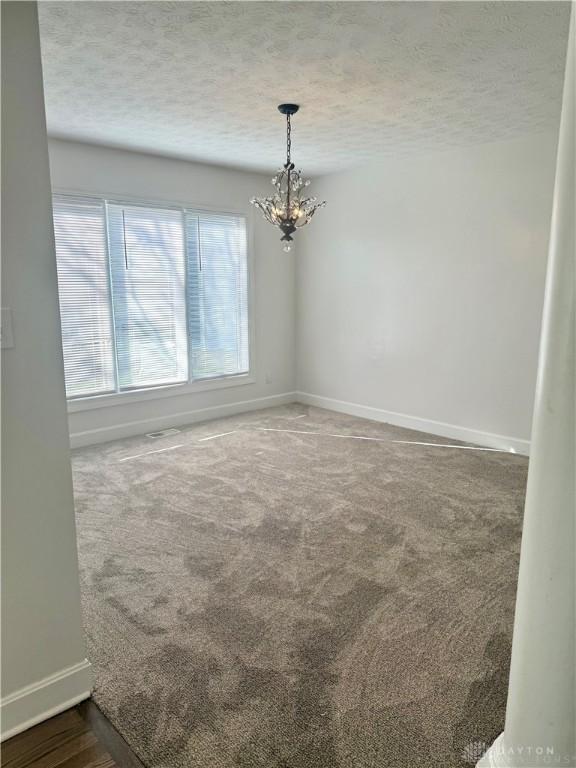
[288, 109]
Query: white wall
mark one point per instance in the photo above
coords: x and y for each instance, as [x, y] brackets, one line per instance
[43, 667]
[98, 170]
[541, 706]
[420, 289]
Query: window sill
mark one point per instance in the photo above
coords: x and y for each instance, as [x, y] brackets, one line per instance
[155, 393]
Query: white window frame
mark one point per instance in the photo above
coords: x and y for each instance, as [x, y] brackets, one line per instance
[91, 402]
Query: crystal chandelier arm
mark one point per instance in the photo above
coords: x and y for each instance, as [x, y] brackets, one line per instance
[266, 205]
[299, 223]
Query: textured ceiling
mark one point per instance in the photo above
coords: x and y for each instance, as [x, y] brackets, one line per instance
[202, 80]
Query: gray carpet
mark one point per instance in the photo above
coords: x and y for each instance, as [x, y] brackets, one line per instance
[293, 600]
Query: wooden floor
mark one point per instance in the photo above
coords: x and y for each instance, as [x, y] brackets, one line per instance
[81, 737]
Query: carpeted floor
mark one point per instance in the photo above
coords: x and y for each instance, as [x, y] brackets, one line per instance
[282, 596]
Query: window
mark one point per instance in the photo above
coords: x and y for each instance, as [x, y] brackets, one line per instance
[149, 295]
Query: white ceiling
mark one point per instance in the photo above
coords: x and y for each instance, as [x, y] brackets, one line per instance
[202, 80]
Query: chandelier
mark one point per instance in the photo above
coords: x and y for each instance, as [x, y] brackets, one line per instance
[288, 209]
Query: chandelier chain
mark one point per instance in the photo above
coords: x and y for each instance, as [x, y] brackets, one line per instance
[288, 140]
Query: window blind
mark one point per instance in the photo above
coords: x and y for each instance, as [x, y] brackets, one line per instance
[83, 285]
[217, 294]
[148, 294]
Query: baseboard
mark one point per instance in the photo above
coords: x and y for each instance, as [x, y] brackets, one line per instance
[141, 427]
[485, 439]
[134, 428]
[48, 697]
